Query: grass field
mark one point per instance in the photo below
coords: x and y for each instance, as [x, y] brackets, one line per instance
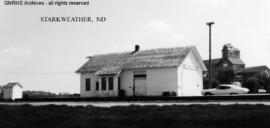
[193, 116]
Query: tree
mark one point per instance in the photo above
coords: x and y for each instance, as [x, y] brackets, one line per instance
[268, 85]
[252, 84]
[264, 81]
[226, 76]
[214, 83]
[1, 92]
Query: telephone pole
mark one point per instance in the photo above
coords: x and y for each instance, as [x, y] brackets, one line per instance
[210, 51]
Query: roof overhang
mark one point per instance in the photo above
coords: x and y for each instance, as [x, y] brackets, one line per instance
[108, 71]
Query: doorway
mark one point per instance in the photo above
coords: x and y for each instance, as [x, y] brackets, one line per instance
[140, 83]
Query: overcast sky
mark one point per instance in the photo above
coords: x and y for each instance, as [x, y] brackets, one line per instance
[45, 56]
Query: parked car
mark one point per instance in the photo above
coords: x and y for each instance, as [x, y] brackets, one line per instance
[262, 91]
[225, 89]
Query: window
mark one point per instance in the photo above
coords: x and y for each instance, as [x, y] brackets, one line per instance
[223, 87]
[119, 83]
[110, 83]
[87, 84]
[97, 86]
[103, 83]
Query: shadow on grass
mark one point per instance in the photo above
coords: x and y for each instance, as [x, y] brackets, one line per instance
[195, 116]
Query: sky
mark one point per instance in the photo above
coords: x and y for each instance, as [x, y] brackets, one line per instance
[45, 56]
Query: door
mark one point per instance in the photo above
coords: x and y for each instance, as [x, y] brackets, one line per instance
[140, 86]
[190, 82]
[140, 83]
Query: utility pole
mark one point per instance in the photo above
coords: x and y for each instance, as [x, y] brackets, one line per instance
[210, 51]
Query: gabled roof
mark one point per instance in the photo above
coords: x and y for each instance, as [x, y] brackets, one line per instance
[255, 69]
[213, 61]
[232, 60]
[153, 58]
[11, 85]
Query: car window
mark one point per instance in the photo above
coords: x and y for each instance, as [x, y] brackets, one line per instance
[223, 87]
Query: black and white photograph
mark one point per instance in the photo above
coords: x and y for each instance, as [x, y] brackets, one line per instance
[134, 63]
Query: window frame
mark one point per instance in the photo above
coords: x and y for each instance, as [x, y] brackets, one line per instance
[97, 86]
[110, 83]
[103, 83]
[119, 82]
[88, 84]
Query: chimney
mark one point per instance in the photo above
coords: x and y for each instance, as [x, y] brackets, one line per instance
[89, 57]
[137, 48]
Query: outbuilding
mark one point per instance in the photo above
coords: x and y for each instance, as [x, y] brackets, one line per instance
[176, 71]
[12, 91]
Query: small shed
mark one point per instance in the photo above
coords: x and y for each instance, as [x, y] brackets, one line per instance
[12, 91]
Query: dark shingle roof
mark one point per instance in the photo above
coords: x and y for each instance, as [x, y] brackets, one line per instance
[213, 61]
[232, 60]
[255, 69]
[115, 62]
[11, 85]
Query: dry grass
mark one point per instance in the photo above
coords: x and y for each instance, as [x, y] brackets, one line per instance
[193, 116]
